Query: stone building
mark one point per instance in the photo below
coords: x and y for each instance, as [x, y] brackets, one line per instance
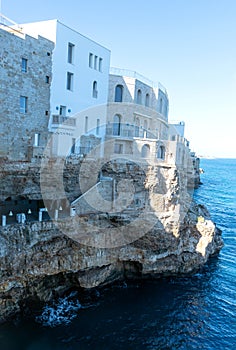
[25, 79]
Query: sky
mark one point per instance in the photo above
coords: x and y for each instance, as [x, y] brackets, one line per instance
[187, 45]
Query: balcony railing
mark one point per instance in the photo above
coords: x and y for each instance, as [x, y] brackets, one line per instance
[135, 75]
[60, 119]
[128, 131]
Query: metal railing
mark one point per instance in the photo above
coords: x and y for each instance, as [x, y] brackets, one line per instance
[135, 75]
[128, 131]
[60, 119]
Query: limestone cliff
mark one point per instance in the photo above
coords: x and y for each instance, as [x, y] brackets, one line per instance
[167, 235]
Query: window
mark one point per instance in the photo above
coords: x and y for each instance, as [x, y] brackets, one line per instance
[116, 125]
[86, 125]
[95, 89]
[118, 148]
[73, 146]
[46, 113]
[48, 53]
[24, 64]
[90, 60]
[161, 105]
[139, 96]
[161, 152]
[47, 79]
[62, 111]
[95, 62]
[23, 104]
[98, 127]
[145, 153]
[69, 82]
[118, 93]
[147, 100]
[36, 140]
[100, 64]
[71, 48]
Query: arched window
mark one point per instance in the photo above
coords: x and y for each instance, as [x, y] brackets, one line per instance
[161, 152]
[145, 153]
[147, 100]
[118, 93]
[95, 89]
[116, 125]
[139, 96]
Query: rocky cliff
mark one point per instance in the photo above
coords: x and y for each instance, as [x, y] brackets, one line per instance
[167, 234]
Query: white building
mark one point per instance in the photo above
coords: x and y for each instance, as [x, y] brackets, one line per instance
[80, 73]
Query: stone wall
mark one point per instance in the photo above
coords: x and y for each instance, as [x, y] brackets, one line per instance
[18, 129]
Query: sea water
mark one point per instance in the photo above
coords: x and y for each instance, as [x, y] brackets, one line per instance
[197, 312]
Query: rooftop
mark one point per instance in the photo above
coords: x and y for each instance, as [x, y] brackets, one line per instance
[135, 75]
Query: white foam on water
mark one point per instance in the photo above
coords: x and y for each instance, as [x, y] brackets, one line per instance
[62, 311]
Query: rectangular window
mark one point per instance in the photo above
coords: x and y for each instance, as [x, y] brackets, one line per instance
[91, 60]
[95, 62]
[100, 64]
[98, 126]
[69, 83]
[23, 104]
[73, 146]
[62, 111]
[47, 79]
[71, 49]
[24, 64]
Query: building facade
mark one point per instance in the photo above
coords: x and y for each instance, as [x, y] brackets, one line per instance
[25, 78]
[137, 115]
[80, 73]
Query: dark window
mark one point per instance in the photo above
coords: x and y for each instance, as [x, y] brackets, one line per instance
[71, 48]
[24, 65]
[116, 125]
[90, 60]
[147, 100]
[100, 64]
[23, 104]
[118, 93]
[69, 83]
[47, 79]
[139, 96]
[95, 89]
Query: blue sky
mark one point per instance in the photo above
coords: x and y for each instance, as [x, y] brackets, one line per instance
[187, 45]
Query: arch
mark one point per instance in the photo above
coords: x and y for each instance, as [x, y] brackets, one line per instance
[147, 100]
[139, 96]
[116, 125]
[119, 93]
[145, 153]
[95, 89]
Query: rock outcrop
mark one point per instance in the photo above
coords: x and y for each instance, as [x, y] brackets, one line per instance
[167, 235]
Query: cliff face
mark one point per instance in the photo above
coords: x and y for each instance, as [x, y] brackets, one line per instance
[167, 235]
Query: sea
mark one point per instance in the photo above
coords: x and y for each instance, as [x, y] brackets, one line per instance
[192, 312]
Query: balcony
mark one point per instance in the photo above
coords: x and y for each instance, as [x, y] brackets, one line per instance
[60, 119]
[128, 131]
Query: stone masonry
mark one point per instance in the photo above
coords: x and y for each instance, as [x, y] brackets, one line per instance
[32, 80]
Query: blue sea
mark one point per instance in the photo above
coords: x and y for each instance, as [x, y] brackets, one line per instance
[197, 312]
